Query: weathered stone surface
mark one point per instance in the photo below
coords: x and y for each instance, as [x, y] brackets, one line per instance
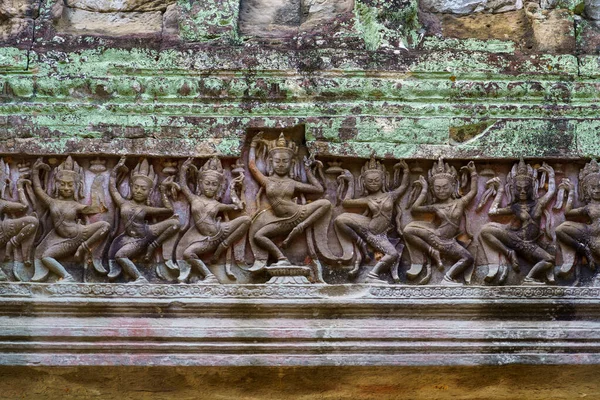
[510, 26]
[518, 382]
[470, 6]
[119, 5]
[78, 21]
[553, 30]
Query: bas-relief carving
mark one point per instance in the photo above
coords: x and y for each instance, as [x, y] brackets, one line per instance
[432, 243]
[524, 236]
[145, 220]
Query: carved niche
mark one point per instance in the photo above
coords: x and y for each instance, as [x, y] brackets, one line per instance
[283, 215]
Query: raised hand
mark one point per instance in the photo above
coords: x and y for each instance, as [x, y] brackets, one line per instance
[469, 167]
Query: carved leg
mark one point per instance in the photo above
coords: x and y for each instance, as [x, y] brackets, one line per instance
[350, 225]
[262, 238]
[466, 260]
[316, 210]
[570, 236]
[99, 231]
[209, 277]
[545, 263]
[23, 239]
[163, 231]
[239, 227]
[131, 270]
[391, 256]
[495, 237]
[415, 236]
[57, 268]
[192, 256]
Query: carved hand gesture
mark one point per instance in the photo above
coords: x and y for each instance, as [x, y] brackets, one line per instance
[401, 165]
[547, 168]
[187, 163]
[423, 182]
[169, 183]
[345, 176]
[469, 167]
[121, 167]
[495, 182]
[22, 182]
[39, 164]
[566, 184]
[310, 162]
[259, 137]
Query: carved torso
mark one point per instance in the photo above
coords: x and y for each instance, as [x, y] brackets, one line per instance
[381, 207]
[204, 212]
[279, 192]
[134, 217]
[64, 215]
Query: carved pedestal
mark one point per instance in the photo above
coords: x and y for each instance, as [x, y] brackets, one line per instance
[288, 275]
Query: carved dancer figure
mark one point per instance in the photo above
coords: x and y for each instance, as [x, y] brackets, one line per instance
[208, 234]
[522, 237]
[432, 242]
[576, 237]
[17, 234]
[372, 228]
[68, 237]
[139, 237]
[284, 216]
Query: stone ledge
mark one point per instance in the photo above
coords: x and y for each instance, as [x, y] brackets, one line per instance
[296, 325]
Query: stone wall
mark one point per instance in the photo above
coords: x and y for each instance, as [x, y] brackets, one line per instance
[406, 89]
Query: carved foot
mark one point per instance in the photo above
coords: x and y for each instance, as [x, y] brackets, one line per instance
[295, 232]
[82, 251]
[67, 279]
[448, 281]
[565, 270]
[139, 281]
[171, 265]
[212, 279]
[284, 262]
[372, 278]
[354, 271]
[97, 263]
[436, 258]
[532, 281]
[514, 260]
[492, 273]
[2, 276]
[414, 271]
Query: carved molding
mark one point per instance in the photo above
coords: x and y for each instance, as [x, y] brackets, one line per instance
[282, 215]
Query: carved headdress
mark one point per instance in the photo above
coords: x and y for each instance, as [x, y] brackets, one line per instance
[212, 167]
[373, 166]
[521, 171]
[69, 169]
[588, 174]
[287, 145]
[442, 170]
[284, 144]
[143, 170]
[439, 170]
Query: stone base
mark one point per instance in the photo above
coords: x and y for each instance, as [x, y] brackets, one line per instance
[288, 275]
[296, 325]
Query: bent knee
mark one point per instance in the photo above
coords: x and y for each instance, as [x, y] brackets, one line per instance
[103, 227]
[33, 221]
[245, 220]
